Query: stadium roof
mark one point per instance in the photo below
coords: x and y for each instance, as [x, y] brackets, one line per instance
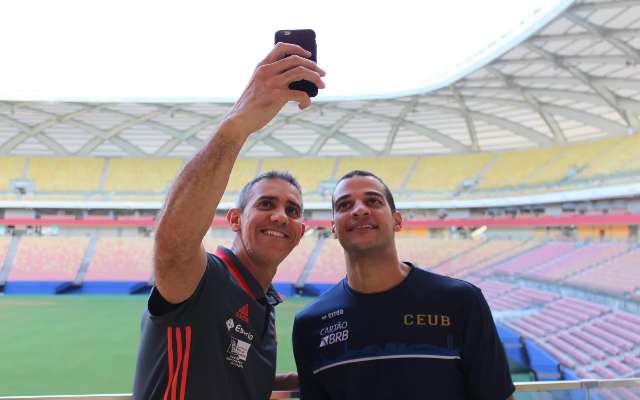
[575, 79]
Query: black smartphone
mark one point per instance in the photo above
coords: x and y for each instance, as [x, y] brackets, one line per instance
[305, 38]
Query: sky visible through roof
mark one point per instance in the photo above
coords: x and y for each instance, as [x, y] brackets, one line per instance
[205, 50]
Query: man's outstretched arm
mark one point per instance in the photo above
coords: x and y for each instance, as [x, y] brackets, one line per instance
[179, 258]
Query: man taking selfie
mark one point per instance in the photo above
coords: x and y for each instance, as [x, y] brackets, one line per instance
[209, 330]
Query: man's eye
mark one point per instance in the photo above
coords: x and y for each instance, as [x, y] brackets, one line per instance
[264, 203]
[293, 211]
[341, 206]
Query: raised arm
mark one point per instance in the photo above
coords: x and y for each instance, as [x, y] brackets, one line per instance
[179, 258]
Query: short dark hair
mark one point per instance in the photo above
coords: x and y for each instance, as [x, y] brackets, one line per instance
[245, 193]
[357, 172]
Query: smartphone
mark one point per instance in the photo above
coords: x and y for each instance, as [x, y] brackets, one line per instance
[305, 38]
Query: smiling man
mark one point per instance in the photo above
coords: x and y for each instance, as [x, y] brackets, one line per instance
[390, 330]
[209, 330]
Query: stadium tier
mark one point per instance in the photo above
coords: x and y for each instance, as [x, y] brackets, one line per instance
[290, 270]
[11, 168]
[140, 175]
[392, 170]
[310, 172]
[49, 259]
[620, 158]
[572, 161]
[582, 258]
[330, 266]
[588, 339]
[592, 340]
[242, 172]
[430, 253]
[430, 175]
[52, 174]
[121, 260]
[415, 177]
[479, 257]
[533, 257]
[512, 169]
[4, 248]
[618, 276]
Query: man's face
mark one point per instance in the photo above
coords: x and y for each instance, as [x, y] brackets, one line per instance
[362, 218]
[271, 223]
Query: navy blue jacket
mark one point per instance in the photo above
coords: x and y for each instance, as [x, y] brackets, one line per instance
[429, 337]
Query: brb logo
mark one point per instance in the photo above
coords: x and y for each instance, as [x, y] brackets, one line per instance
[334, 333]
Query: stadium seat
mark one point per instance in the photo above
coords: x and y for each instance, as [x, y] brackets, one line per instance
[291, 268]
[243, 171]
[308, 172]
[121, 259]
[141, 175]
[392, 170]
[446, 173]
[571, 160]
[10, 168]
[51, 259]
[513, 168]
[65, 174]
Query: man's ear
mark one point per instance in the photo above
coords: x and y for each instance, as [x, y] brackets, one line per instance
[397, 224]
[303, 229]
[233, 218]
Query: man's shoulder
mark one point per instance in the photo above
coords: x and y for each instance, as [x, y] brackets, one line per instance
[436, 282]
[216, 271]
[323, 304]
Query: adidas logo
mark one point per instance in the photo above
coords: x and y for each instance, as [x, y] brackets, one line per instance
[243, 313]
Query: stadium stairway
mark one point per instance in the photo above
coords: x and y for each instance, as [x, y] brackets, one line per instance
[8, 260]
[457, 256]
[86, 260]
[84, 266]
[489, 269]
[486, 261]
[311, 262]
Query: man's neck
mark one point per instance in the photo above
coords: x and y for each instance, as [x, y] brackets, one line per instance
[375, 271]
[262, 272]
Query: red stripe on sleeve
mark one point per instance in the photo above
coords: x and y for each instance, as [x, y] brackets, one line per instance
[174, 381]
[169, 360]
[185, 364]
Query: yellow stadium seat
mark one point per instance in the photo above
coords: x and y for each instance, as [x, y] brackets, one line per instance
[392, 170]
[623, 157]
[10, 168]
[65, 174]
[243, 171]
[446, 173]
[574, 157]
[141, 175]
[512, 168]
[308, 171]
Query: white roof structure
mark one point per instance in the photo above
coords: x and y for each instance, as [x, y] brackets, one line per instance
[575, 79]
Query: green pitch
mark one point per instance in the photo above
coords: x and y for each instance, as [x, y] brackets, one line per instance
[86, 344]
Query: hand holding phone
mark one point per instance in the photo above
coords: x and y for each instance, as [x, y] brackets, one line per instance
[305, 38]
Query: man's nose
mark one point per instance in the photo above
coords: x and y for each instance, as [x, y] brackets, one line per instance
[359, 209]
[279, 216]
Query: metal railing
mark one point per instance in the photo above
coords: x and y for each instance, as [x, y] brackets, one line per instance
[587, 387]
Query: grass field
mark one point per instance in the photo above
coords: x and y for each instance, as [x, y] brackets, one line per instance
[86, 344]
